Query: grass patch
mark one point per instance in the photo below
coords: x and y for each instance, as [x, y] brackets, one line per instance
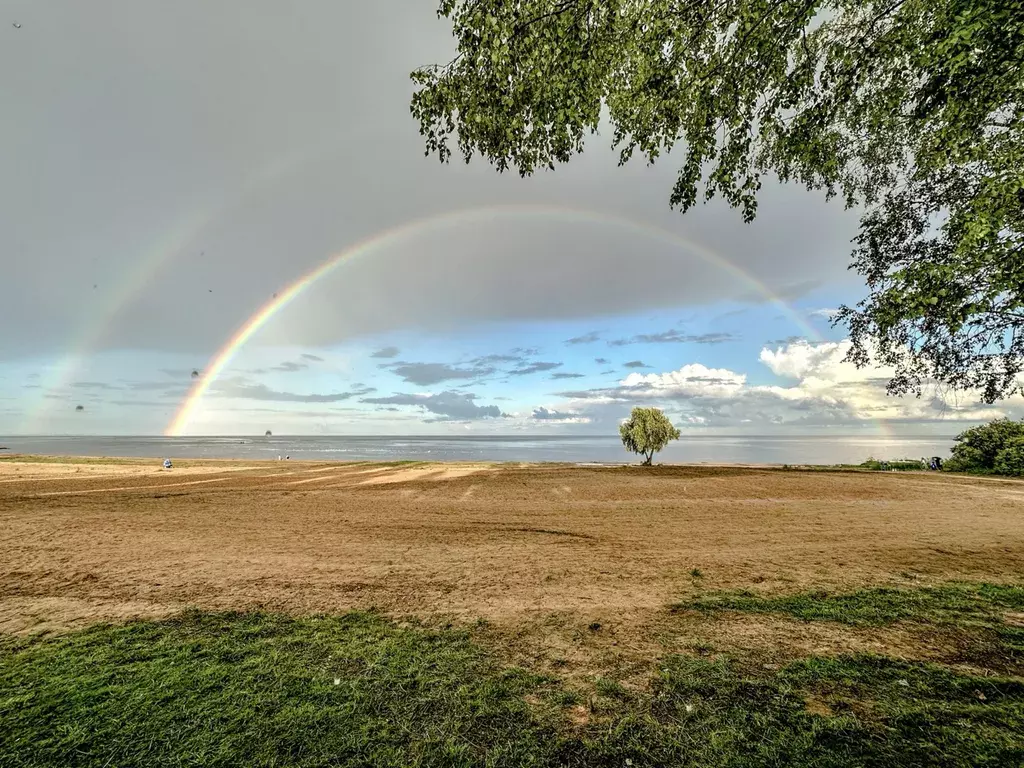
[968, 620]
[226, 689]
[27, 458]
[955, 603]
[261, 690]
[847, 711]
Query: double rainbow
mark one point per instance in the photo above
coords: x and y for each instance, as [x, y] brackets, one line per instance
[376, 242]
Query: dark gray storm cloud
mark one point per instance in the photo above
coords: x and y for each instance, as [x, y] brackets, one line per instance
[314, 358]
[426, 374]
[262, 392]
[672, 336]
[789, 292]
[563, 375]
[635, 364]
[190, 188]
[449, 405]
[386, 352]
[587, 338]
[450, 285]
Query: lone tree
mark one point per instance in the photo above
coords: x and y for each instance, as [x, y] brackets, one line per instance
[647, 432]
[912, 110]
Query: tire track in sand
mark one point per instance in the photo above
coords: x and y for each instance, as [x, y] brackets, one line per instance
[130, 488]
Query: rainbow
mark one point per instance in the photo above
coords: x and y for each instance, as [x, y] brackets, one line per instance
[147, 265]
[380, 240]
[111, 299]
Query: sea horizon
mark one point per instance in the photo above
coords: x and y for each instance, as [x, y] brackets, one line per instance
[757, 449]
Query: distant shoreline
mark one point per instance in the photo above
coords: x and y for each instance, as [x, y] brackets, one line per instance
[605, 450]
[155, 461]
[191, 460]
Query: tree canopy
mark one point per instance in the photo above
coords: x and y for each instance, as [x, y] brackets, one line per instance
[910, 110]
[996, 447]
[647, 432]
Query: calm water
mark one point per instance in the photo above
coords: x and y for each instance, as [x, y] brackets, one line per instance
[817, 449]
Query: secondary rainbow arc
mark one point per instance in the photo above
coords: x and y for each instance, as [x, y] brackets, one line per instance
[220, 360]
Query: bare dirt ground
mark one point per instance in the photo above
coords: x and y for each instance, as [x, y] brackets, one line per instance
[544, 551]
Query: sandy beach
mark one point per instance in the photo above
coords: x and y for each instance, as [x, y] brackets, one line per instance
[765, 604]
[82, 541]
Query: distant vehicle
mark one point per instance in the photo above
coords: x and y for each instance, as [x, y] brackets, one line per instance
[167, 463]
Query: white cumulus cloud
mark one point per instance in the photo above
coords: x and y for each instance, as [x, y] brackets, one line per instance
[692, 379]
[819, 389]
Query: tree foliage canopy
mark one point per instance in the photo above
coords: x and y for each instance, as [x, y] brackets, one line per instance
[909, 109]
[994, 447]
[647, 432]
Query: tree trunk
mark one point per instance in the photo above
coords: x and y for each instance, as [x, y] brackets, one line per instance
[648, 458]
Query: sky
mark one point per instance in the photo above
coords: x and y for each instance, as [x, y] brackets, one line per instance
[176, 176]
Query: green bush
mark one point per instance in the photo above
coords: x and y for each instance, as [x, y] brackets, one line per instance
[981, 448]
[965, 458]
[1010, 460]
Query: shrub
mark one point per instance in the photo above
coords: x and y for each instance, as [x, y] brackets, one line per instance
[965, 458]
[978, 447]
[907, 465]
[1010, 460]
[901, 465]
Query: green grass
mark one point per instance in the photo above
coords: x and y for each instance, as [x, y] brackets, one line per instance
[257, 689]
[967, 620]
[870, 465]
[752, 719]
[955, 603]
[27, 458]
[226, 689]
